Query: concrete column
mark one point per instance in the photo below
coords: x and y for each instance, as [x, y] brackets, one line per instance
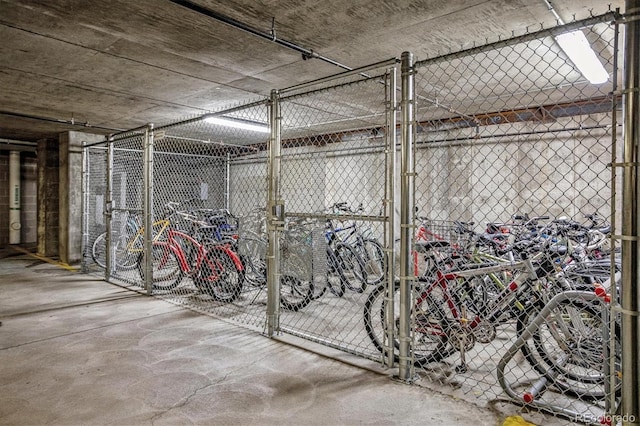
[70, 194]
[48, 181]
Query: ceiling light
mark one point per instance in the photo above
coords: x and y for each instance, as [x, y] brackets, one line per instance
[578, 49]
[239, 124]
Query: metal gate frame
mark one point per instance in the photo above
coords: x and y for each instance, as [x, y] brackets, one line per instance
[629, 237]
[276, 204]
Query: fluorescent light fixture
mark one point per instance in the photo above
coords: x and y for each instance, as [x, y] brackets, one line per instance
[578, 49]
[239, 124]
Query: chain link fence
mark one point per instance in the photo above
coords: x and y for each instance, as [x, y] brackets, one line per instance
[282, 214]
[513, 196]
[94, 223]
[337, 158]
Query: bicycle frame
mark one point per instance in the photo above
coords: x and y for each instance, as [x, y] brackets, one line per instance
[174, 245]
[497, 307]
[136, 246]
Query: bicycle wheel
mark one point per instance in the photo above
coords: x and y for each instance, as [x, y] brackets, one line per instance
[166, 271]
[374, 261]
[431, 343]
[124, 259]
[350, 268]
[99, 250]
[296, 284]
[294, 293]
[253, 253]
[219, 277]
[335, 284]
[568, 349]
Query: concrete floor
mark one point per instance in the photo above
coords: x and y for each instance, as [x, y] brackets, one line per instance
[76, 350]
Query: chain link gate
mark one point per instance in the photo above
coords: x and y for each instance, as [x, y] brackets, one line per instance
[94, 195]
[512, 255]
[210, 181]
[505, 157]
[200, 184]
[336, 186]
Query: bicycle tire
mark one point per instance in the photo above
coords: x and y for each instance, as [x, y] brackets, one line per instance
[124, 259]
[166, 272]
[252, 252]
[374, 261]
[294, 293]
[334, 283]
[350, 268]
[219, 277]
[99, 250]
[374, 323]
[565, 376]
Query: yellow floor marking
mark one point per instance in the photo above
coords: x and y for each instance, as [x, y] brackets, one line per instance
[516, 421]
[46, 259]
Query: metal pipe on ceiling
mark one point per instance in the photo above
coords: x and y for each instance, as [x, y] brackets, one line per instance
[71, 122]
[306, 53]
[14, 145]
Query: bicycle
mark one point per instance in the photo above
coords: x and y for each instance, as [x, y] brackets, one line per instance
[296, 290]
[215, 268]
[449, 316]
[369, 250]
[123, 259]
[130, 237]
[341, 267]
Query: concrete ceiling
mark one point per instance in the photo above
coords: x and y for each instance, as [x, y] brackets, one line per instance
[100, 66]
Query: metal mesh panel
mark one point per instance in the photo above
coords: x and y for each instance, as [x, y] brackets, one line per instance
[333, 183]
[95, 176]
[514, 197]
[126, 210]
[209, 176]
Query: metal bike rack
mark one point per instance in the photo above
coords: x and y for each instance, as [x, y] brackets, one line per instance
[528, 399]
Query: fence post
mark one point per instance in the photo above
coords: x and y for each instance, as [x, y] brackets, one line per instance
[108, 205]
[630, 221]
[85, 209]
[275, 215]
[407, 182]
[148, 209]
[389, 212]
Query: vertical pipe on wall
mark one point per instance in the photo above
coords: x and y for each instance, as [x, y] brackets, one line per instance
[406, 214]
[389, 212]
[148, 209]
[275, 215]
[629, 297]
[14, 197]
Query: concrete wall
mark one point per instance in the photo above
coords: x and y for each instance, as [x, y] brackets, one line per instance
[558, 173]
[70, 194]
[48, 197]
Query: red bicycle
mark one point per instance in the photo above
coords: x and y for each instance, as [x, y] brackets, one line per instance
[212, 264]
